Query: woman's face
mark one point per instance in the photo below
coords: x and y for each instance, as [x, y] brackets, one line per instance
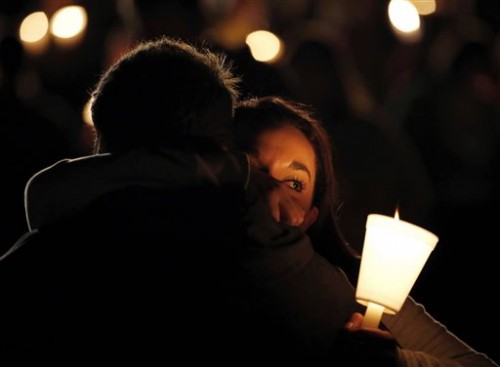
[287, 155]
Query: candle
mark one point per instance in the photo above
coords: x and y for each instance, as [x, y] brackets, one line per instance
[373, 315]
[394, 253]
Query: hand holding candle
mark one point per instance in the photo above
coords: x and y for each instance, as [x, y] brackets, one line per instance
[394, 253]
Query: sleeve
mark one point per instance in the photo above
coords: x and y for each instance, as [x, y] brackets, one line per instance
[306, 298]
[427, 343]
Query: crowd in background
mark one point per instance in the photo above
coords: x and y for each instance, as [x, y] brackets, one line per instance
[416, 126]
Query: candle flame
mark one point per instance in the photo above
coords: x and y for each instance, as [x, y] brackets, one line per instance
[396, 214]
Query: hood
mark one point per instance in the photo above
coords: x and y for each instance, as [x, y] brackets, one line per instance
[69, 185]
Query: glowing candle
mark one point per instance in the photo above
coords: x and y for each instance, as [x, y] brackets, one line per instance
[394, 253]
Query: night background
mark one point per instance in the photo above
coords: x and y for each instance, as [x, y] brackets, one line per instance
[414, 117]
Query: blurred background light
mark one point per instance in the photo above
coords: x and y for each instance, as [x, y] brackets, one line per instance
[264, 46]
[68, 22]
[404, 16]
[424, 7]
[87, 114]
[405, 21]
[34, 27]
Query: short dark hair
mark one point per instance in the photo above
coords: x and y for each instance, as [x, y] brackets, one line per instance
[160, 91]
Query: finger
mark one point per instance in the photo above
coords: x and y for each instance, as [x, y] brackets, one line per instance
[373, 337]
[273, 201]
[291, 212]
[355, 321]
[309, 219]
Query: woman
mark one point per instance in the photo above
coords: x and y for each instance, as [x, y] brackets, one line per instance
[286, 141]
[262, 122]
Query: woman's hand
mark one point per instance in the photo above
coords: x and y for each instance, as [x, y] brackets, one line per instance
[363, 346]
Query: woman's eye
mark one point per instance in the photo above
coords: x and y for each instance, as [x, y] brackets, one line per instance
[296, 185]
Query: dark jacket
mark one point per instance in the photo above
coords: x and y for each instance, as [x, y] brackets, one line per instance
[188, 270]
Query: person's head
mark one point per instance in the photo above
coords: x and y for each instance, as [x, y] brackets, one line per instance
[160, 92]
[289, 143]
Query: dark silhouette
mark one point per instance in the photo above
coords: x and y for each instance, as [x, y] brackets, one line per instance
[161, 248]
[32, 141]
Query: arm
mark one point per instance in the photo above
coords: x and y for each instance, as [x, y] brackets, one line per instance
[427, 343]
[306, 298]
[71, 184]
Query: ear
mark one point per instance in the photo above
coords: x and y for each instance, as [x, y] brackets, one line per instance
[309, 219]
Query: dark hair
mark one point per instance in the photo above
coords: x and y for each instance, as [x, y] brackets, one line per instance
[160, 91]
[256, 115]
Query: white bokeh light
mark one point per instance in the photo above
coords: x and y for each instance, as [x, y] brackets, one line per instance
[68, 22]
[404, 16]
[34, 27]
[424, 7]
[264, 46]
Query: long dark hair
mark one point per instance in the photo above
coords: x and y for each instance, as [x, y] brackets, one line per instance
[256, 115]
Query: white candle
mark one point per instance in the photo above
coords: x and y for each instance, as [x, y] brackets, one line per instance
[373, 315]
[394, 253]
